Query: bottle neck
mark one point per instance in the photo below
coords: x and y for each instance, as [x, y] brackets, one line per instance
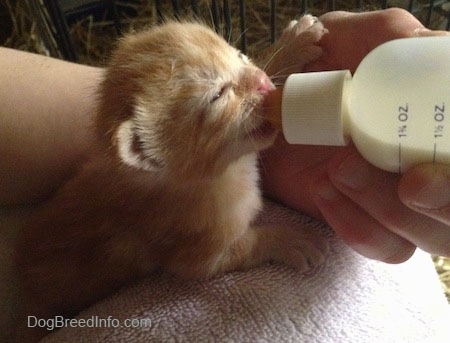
[346, 107]
[314, 108]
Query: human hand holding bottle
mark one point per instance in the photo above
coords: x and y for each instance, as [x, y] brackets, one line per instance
[382, 215]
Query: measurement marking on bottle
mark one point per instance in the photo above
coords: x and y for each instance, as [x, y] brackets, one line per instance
[438, 131]
[402, 131]
[439, 126]
[434, 153]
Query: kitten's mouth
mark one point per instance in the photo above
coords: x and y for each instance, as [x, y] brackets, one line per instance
[265, 129]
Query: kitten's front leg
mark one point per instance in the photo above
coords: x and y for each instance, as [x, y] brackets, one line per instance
[297, 46]
[296, 247]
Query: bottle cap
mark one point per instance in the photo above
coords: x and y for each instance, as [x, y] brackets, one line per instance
[312, 108]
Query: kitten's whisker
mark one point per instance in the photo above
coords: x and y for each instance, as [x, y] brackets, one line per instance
[283, 70]
[240, 35]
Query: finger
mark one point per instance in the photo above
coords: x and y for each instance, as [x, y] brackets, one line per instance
[358, 229]
[373, 27]
[375, 191]
[426, 189]
[352, 36]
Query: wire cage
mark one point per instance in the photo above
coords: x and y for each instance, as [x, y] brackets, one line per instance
[236, 20]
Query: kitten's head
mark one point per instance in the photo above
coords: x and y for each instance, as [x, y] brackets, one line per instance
[178, 98]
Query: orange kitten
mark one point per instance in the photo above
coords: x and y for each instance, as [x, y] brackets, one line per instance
[172, 183]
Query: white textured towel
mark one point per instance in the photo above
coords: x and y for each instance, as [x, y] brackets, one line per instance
[348, 299]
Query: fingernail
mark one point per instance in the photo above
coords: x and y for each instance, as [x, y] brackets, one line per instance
[424, 32]
[354, 172]
[434, 194]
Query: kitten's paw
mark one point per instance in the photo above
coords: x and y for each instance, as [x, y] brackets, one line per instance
[297, 46]
[300, 249]
[308, 28]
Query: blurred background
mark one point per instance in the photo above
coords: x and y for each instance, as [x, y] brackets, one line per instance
[84, 31]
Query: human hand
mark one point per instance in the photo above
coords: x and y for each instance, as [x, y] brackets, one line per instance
[383, 216]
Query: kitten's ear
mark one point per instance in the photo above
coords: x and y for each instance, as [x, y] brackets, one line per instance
[135, 151]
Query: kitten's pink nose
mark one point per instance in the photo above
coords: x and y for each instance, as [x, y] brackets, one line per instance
[262, 82]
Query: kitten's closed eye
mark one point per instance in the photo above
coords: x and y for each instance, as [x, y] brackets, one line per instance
[225, 88]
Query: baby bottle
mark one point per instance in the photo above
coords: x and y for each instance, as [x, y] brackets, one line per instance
[395, 108]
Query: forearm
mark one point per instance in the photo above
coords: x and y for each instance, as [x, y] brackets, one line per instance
[46, 106]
